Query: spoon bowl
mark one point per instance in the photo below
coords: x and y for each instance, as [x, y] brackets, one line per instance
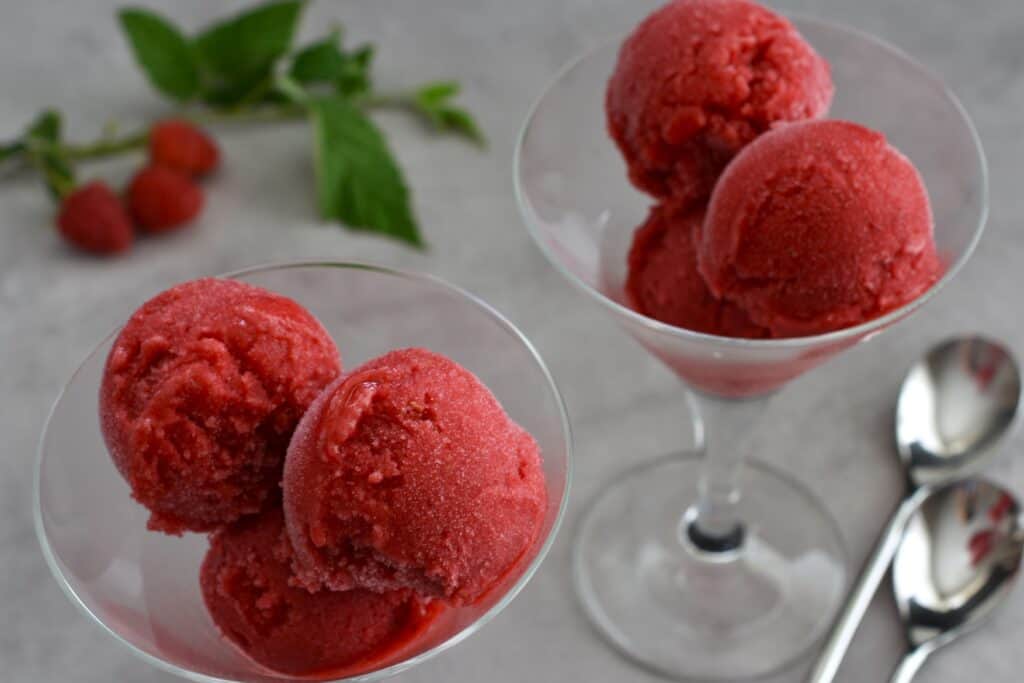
[959, 556]
[954, 405]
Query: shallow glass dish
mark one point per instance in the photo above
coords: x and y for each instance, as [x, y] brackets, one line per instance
[142, 587]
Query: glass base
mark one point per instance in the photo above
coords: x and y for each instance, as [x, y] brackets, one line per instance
[688, 614]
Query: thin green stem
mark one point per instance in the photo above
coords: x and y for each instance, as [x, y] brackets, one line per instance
[105, 146]
[111, 146]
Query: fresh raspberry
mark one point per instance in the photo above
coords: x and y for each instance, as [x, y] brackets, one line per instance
[161, 198]
[179, 145]
[92, 218]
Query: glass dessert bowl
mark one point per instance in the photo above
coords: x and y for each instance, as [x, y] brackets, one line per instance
[143, 587]
[719, 567]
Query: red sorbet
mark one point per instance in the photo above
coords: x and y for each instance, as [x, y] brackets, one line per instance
[247, 585]
[201, 393]
[699, 79]
[407, 473]
[664, 283]
[818, 226]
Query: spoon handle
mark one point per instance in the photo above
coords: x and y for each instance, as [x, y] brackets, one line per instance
[908, 666]
[860, 597]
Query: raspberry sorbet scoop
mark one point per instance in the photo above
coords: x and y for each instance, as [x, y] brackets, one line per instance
[664, 283]
[246, 583]
[201, 393]
[818, 226]
[407, 473]
[699, 79]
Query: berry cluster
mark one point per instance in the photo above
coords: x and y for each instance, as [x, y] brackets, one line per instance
[161, 197]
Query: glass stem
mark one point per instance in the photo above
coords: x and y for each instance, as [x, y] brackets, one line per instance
[714, 524]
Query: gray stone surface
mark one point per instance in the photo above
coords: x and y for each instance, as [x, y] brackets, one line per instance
[832, 427]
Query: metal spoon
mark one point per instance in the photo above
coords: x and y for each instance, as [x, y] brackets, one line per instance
[954, 406]
[959, 557]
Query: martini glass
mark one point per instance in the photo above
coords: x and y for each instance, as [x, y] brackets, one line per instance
[720, 566]
[143, 587]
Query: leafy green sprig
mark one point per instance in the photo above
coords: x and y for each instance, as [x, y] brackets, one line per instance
[247, 68]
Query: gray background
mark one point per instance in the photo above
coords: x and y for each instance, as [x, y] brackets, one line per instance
[832, 428]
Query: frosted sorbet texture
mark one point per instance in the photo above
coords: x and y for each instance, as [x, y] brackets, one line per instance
[407, 473]
[202, 390]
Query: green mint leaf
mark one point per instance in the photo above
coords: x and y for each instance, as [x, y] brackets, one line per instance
[460, 121]
[237, 56]
[432, 94]
[321, 62]
[41, 141]
[58, 173]
[354, 79]
[358, 181]
[326, 62]
[432, 102]
[162, 51]
[46, 127]
[233, 93]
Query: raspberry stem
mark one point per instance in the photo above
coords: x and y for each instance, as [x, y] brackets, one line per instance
[107, 146]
